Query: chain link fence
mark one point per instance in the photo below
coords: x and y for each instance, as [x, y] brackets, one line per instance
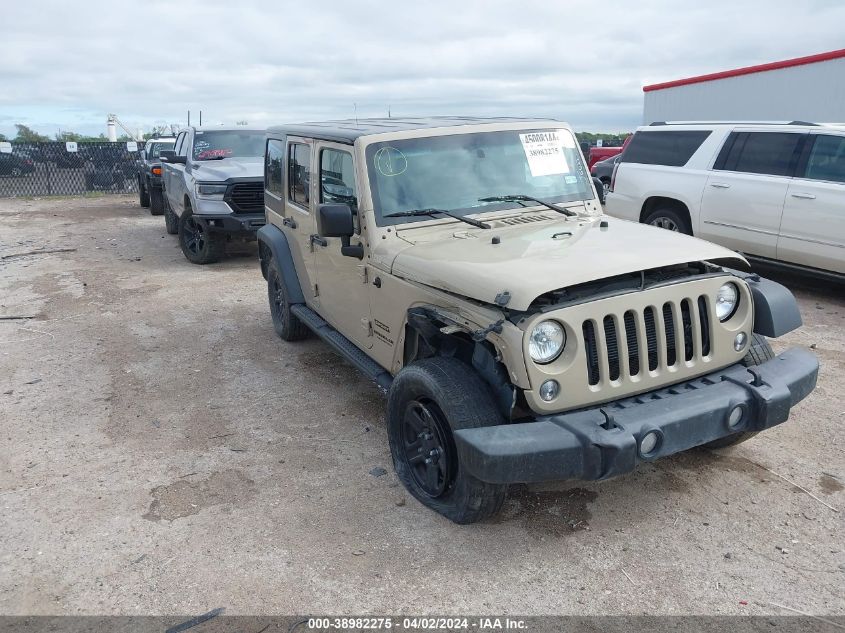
[67, 169]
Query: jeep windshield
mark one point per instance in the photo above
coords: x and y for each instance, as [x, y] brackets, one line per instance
[228, 144]
[456, 171]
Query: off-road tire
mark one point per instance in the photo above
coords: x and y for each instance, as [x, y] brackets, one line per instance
[198, 244]
[143, 194]
[454, 397]
[156, 201]
[758, 353]
[287, 325]
[669, 219]
[171, 220]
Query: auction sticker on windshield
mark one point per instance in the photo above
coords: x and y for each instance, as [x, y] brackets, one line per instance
[544, 151]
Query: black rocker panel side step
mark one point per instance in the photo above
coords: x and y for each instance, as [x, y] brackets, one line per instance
[343, 346]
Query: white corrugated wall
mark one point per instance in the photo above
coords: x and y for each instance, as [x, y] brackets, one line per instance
[812, 92]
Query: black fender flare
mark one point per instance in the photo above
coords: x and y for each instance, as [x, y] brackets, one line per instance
[273, 243]
[775, 308]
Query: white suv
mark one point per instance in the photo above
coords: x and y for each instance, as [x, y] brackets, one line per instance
[774, 191]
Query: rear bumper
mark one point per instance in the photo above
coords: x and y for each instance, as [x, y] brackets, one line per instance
[233, 224]
[605, 441]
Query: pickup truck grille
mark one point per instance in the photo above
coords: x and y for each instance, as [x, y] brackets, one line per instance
[246, 197]
[652, 339]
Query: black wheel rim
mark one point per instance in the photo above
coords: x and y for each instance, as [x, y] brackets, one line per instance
[194, 236]
[428, 449]
[277, 296]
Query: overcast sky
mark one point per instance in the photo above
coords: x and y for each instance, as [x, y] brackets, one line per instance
[66, 65]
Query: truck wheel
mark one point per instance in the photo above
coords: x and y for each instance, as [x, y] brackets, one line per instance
[286, 324]
[198, 244]
[156, 202]
[143, 194]
[171, 220]
[668, 218]
[428, 400]
[758, 353]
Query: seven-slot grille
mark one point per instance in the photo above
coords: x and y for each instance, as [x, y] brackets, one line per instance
[651, 340]
[246, 197]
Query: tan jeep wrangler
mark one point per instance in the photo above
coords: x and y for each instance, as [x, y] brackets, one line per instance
[521, 336]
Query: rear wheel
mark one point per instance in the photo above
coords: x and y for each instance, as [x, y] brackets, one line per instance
[286, 324]
[670, 219]
[143, 194]
[759, 352]
[171, 220]
[198, 244]
[156, 201]
[428, 400]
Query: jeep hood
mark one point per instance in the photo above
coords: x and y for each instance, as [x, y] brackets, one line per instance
[220, 170]
[531, 260]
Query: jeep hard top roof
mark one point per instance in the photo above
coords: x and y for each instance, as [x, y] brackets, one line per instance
[347, 130]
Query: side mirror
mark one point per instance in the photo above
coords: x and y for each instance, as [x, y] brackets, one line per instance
[336, 220]
[169, 156]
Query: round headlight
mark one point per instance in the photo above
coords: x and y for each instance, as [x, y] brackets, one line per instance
[727, 299]
[546, 341]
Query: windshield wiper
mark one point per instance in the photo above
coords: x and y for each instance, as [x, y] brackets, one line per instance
[523, 198]
[416, 213]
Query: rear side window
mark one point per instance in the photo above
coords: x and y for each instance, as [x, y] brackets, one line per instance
[672, 148]
[827, 159]
[770, 153]
[299, 166]
[273, 168]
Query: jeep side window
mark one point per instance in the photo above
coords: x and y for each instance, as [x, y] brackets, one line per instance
[299, 165]
[337, 180]
[770, 153]
[827, 159]
[273, 174]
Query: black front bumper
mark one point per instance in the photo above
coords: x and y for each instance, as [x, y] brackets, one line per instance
[246, 224]
[605, 441]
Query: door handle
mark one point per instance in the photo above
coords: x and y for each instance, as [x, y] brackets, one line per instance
[720, 185]
[316, 239]
[289, 222]
[803, 196]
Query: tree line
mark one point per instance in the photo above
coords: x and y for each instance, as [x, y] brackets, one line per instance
[26, 134]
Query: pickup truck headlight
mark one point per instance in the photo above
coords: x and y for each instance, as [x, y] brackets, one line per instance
[546, 341]
[205, 190]
[727, 299]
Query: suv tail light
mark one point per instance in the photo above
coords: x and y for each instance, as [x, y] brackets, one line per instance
[156, 171]
[613, 176]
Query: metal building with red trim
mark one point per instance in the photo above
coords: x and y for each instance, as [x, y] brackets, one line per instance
[810, 88]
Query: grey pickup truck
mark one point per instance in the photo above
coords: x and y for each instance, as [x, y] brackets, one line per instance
[213, 188]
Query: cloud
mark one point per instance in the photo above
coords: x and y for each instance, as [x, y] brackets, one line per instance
[69, 64]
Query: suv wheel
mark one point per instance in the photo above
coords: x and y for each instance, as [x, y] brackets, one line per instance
[16, 172]
[198, 244]
[759, 352]
[143, 194]
[156, 201]
[670, 219]
[428, 400]
[287, 325]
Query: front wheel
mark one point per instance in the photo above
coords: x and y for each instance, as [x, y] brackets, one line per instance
[143, 194]
[156, 201]
[758, 353]
[198, 244]
[428, 400]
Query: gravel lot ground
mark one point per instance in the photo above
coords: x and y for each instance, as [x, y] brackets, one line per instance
[163, 452]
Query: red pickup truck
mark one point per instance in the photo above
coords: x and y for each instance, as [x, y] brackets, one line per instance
[602, 153]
